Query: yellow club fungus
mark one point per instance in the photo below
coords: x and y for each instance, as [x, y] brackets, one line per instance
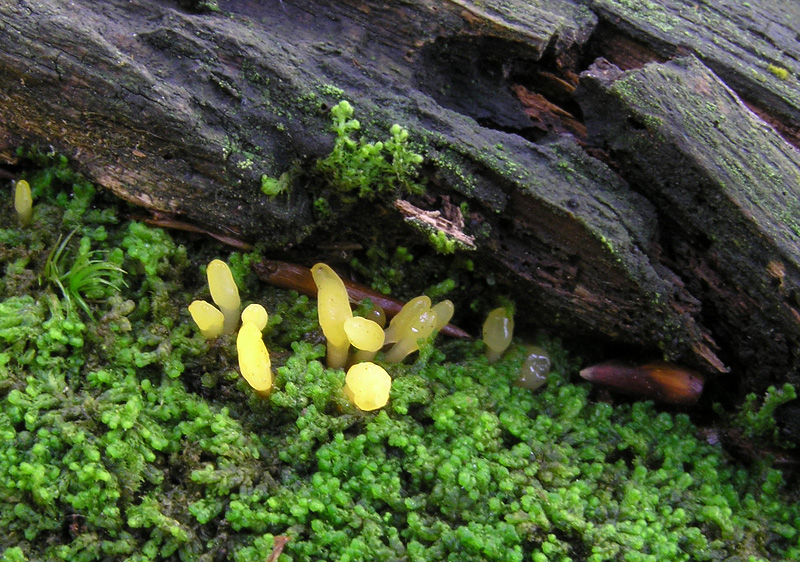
[225, 293]
[255, 314]
[333, 306]
[367, 385]
[412, 309]
[208, 318]
[23, 202]
[410, 333]
[444, 312]
[498, 329]
[365, 335]
[377, 314]
[254, 361]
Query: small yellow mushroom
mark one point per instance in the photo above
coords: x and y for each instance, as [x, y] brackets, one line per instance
[367, 385]
[254, 361]
[23, 202]
[444, 313]
[225, 293]
[333, 306]
[377, 314]
[410, 333]
[412, 309]
[255, 314]
[208, 318]
[498, 329]
[365, 335]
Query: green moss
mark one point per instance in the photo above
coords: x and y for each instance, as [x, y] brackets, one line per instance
[777, 71]
[134, 439]
[366, 169]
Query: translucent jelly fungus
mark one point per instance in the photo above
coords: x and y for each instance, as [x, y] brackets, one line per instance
[225, 293]
[533, 373]
[254, 361]
[412, 309]
[377, 315]
[23, 202]
[365, 335]
[498, 329]
[410, 333]
[333, 308]
[444, 312]
[367, 385]
[208, 318]
[255, 314]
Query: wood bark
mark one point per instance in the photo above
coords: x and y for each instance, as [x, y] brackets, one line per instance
[671, 227]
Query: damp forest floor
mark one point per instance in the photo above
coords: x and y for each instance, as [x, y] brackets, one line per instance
[124, 435]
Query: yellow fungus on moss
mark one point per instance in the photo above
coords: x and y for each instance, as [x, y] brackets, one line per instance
[411, 310]
[367, 385]
[333, 308]
[208, 318]
[255, 314]
[498, 329]
[225, 293]
[444, 313]
[410, 333]
[23, 202]
[365, 335]
[254, 361]
[377, 315]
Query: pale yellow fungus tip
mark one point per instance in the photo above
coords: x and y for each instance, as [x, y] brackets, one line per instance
[224, 292]
[333, 306]
[254, 361]
[367, 385]
[498, 329]
[365, 335]
[414, 331]
[208, 318]
[23, 202]
[255, 314]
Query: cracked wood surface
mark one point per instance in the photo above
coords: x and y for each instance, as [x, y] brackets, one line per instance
[667, 228]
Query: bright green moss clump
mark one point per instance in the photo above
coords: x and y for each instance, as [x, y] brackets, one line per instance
[134, 439]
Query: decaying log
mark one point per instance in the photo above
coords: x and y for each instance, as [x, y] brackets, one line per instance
[670, 228]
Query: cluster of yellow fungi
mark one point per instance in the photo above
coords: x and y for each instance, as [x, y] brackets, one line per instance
[254, 361]
[352, 341]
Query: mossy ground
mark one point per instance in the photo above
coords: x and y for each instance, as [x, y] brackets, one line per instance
[129, 437]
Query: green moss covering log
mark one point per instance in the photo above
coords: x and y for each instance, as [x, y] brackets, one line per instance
[132, 438]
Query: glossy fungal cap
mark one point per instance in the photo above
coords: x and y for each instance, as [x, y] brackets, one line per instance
[224, 292]
[367, 385]
[333, 308]
[208, 318]
[363, 334]
[23, 202]
[444, 313]
[410, 311]
[254, 361]
[377, 315]
[533, 373]
[414, 331]
[255, 314]
[498, 329]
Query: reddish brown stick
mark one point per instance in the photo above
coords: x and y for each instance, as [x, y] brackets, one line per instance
[298, 278]
[662, 382]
